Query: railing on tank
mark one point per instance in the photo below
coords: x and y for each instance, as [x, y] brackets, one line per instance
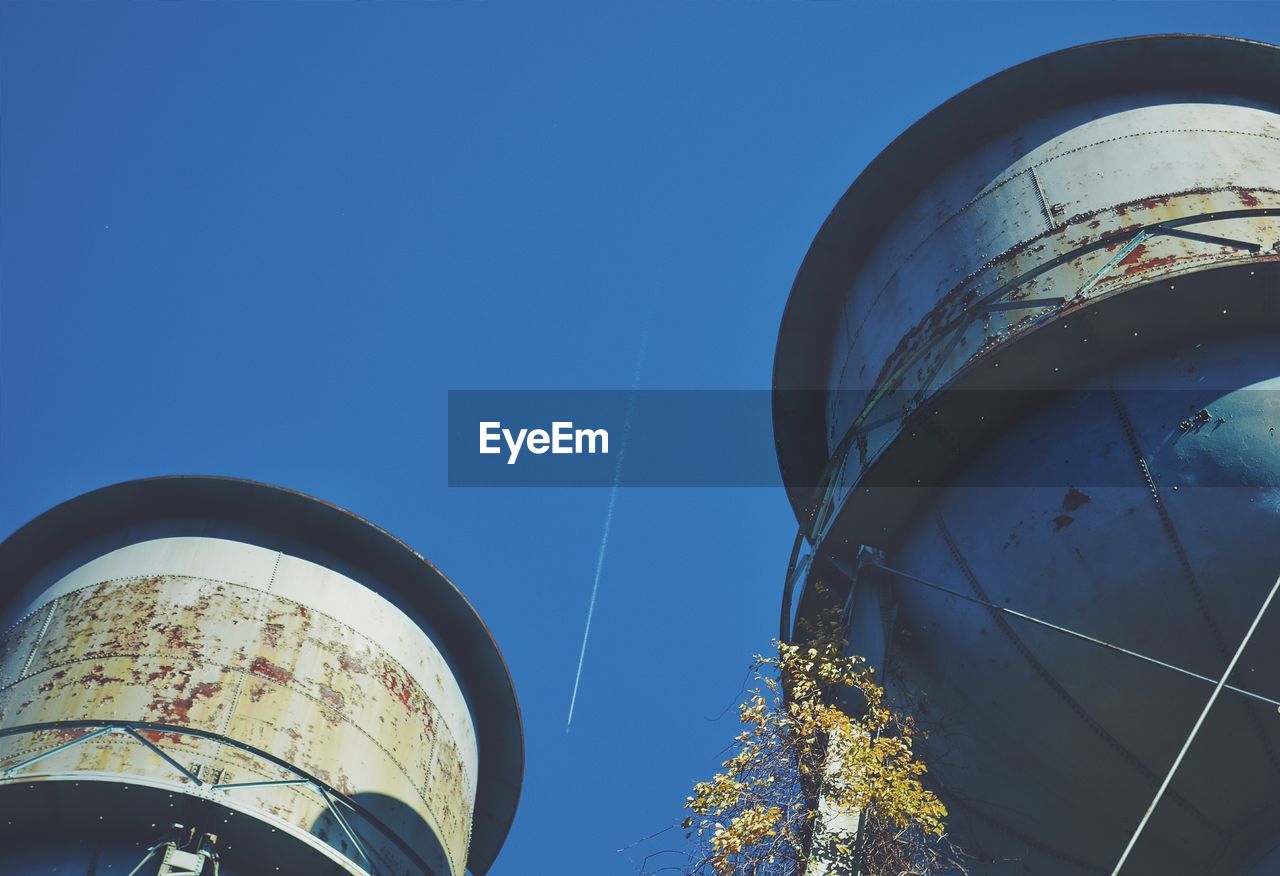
[890, 407]
[333, 799]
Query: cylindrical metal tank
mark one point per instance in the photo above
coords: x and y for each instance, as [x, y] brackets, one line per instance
[1033, 355]
[297, 689]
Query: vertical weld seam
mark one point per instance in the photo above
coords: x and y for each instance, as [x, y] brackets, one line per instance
[271, 582]
[1184, 561]
[35, 646]
[1044, 202]
[1056, 686]
[235, 699]
[1167, 524]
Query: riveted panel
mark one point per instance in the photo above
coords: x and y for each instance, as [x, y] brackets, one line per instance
[333, 681]
[1042, 225]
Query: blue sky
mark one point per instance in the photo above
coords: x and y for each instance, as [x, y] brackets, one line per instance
[265, 240]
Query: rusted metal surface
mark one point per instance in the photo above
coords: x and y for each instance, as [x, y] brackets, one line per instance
[1019, 191]
[1106, 221]
[913, 317]
[77, 531]
[272, 651]
[1154, 558]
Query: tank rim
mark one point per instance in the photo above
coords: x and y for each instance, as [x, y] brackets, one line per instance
[1247, 68]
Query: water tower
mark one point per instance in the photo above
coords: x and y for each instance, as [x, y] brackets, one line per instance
[212, 676]
[1033, 356]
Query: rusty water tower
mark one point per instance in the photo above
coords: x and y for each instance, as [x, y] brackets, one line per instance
[1033, 357]
[204, 675]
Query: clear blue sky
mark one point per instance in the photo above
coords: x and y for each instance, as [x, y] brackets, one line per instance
[266, 239]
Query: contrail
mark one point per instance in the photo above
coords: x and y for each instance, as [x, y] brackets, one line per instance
[608, 523]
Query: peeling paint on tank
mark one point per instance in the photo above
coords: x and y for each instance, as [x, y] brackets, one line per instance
[97, 676]
[264, 667]
[1074, 500]
[332, 697]
[271, 634]
[256, 667]
[177, 710]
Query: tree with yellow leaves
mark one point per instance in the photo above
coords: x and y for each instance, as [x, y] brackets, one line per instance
[823, 778]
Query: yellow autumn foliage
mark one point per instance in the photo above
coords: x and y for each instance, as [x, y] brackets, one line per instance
[799, 744]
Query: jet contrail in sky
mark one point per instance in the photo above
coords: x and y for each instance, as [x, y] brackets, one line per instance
[608, 523]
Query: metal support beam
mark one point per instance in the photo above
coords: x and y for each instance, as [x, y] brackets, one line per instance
[1112, 262]
[1022, 304]
[1172, 667]
[151, 853]
[271, 784]
[331, 795]
[993, 301]
[1195, 730]
[346, 828]
[164, 756]
[1174, 231]
[57, 748]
